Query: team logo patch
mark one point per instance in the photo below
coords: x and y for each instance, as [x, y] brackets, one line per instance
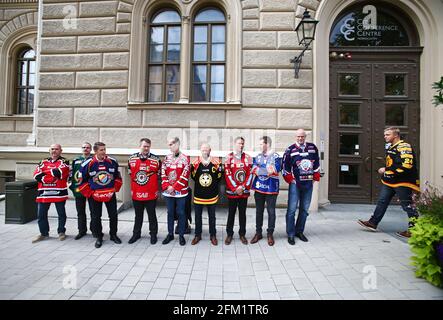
[102, 178]
[389, 161]
[78, 177]
[172, 177]
[141, 178]
[240, 175]
[306, 165]
[205, 180]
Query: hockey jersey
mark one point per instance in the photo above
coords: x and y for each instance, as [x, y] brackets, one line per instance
[238, 173]
[75, 176]
[302, 164]
[100, 179]
[52, 177]
[207, 178]
[144, 171]
[264, 182]
[401, 167]
[175, 172]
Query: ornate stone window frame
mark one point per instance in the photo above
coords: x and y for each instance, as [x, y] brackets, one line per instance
[138, 52]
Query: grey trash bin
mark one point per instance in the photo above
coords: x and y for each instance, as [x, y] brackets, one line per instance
[20, 201]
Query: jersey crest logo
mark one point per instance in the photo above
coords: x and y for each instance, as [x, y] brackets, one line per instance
[240, 176]
[102, 178]
[141, 178]
[306, 165]
[205, 180]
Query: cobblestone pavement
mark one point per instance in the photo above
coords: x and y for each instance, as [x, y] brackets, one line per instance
[340, 261]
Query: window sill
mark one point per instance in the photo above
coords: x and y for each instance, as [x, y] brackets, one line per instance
[185, 106]
[24, 117]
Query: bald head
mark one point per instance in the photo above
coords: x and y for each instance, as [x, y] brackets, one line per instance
[55, 150]
[300, 136]
[205, 150]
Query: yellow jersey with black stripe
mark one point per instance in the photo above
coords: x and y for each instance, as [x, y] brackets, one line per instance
[401, 167]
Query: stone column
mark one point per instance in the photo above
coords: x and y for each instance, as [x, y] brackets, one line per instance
[185, 60]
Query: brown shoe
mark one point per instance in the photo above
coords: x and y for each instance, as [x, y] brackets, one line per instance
[196, 240]
[39, 238]
[367, 225]
[228, 240]
[404, 234]
[243, 240]
[62, 236]
[214, 241]
[256, 238]
[271, 239]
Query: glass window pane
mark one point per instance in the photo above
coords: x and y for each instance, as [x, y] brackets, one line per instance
[395, 85]
[218, 52]
[20, 101]
[218, 34]
[30, 54]
[174, 52]
[167, 16]
[200, 74]
[174, 35]
[32, 66]
[200, 53]
[156, 53]
[348, 174]
[218, 92]
[157, 35]
[30, 100]
[210, 15]
[155, 74]
[172, 93]
[200, 34]
[349, 84]
[349, 144]
[172, 74]
[349, 114]
[31, 80]
[395, 115]
[217, 74]
[155, 93]
[23, 78]
[199, 92]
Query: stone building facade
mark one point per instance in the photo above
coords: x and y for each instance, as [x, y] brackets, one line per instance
[91, 80]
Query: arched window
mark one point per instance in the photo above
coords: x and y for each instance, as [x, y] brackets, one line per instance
[25, 81]
[164, 57]
[208, 56]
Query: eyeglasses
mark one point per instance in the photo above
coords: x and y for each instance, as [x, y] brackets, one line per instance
[86, 147]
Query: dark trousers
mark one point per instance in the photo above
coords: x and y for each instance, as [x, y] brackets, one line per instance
[139, 207]
[386, 195]
[260, 200]
[43, 223]
[198, 209]
[233, 205]
[96, 219]
[80, 205]
[176, 206]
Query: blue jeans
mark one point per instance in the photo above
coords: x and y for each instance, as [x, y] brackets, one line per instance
[300, 197]
[43, 223]
[385, 197]
[176, 204]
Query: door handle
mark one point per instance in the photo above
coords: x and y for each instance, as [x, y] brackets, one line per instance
[367, 164]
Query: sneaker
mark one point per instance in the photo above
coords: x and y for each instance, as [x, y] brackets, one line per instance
[39, 238]
[367, 225]
[62, 236]
[404, 234]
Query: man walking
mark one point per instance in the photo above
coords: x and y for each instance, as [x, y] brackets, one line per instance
[52, 176]
[301, 166]
[100, 182]
[175, 181]
[207, 173]
[266, 167]
[399, 176]
[143, 168]
[238, 179]
[80, 200]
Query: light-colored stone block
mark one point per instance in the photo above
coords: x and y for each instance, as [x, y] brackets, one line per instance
[116, 60]
[53, 117]
[59, 45]
[115, 137]
[62, 80]
[277, 98]
[251, 118]
[24, 126]
[182, 118]
[295, 119]
[123, 17]
[286, 79]
[76, 62]
[13, 139]
[107, 117]
[81, 26]
[70, 98]
[25, 170]
[103, 43]
[124, 7]
[273, 59]
[114, 98]
[250, 14]
[309, 4]
[98, 9]
[7, 125]
[249, 4]
[67, 137]
[280, 5]
[123, 28]
[59, 11]
[259, 78]
[259, 40]
[102, 79]
[288, 40]
[251, 25]
[277, 21]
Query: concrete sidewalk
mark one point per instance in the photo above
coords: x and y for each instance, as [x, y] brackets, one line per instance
[334, 264]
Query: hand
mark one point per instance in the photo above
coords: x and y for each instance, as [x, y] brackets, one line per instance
[170, 190]
[316, 176]
[270, 170]
[381, 170]
[239, 190]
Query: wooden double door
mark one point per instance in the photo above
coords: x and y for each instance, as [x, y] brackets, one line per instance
[365, 98]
